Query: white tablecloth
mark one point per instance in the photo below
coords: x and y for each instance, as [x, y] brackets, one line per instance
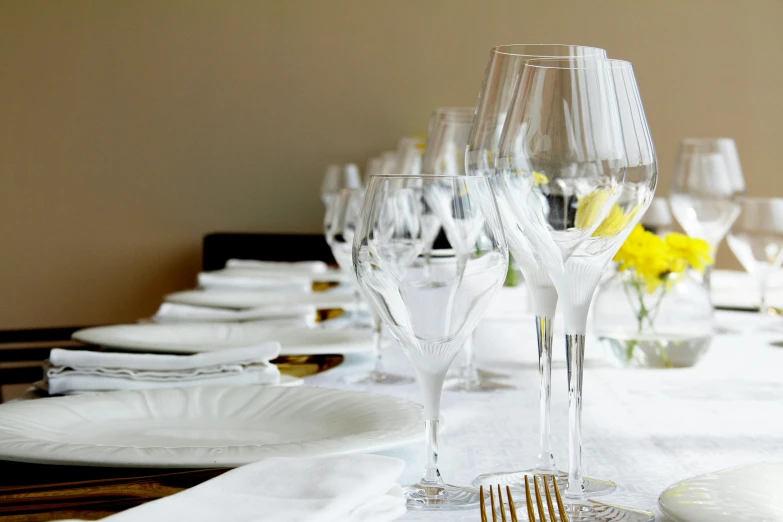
[643, 429]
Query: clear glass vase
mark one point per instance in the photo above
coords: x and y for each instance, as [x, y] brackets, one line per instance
[670, 326]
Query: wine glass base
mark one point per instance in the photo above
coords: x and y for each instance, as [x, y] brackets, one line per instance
[516, 481]
[441, 496]
[377, 378]
[592, 511]
[476, 385]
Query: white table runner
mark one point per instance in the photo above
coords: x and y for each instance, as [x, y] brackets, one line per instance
[643, 429]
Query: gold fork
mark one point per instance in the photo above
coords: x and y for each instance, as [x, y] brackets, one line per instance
[529, 497]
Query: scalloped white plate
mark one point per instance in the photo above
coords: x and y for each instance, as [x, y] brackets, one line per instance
[749, 493]
[238, 299]
[207, 337]
[204, 427]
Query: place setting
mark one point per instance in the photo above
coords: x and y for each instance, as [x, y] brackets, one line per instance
[511, 273]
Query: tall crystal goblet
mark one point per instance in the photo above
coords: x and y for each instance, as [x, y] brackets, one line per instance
[501, 80]
[346, 213]
[430, 315]
[576, 171]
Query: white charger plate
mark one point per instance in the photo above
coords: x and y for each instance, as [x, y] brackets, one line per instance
[238, 299]
[206, 337]
[749, 493]
[204, 426]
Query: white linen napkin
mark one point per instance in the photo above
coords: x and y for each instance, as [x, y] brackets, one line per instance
[349, 488]
[306, 267]
[284, 315]
[74, 371]
[271, 282]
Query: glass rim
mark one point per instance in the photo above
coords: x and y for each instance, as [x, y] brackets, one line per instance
[501, 49]
[428, 176]
[541, 62]
[690, 141]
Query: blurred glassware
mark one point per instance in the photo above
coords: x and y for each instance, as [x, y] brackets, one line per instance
[707, 189]
[347, 210]
[658, 218]
[373, 168]
[389, 162]
[409, 153]
[501, 80]
[575, 172]
[756, 238]
[430, 314]
[337, 178]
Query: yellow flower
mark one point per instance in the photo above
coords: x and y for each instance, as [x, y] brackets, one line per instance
[615, 222]
[654, 258]
[539, 179]
[589, 208]
[693, 251]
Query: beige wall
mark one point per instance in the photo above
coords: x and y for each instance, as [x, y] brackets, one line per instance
[128, 129]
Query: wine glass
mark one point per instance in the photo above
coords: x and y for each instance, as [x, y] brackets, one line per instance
[430, 315]
[576, 171]
[346, 215]
[336, 178]
[449, 130]
[501, 80]
[707, 189]
[756, 238]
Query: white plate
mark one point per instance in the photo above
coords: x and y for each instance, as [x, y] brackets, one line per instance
[248, 299]
[204, 427]
[38, 388]
[748, 493]
[253, 277]
[207, 337]
[735, 289]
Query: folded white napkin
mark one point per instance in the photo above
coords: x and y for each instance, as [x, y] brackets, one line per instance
[261, 280]
[73, 371]
[306, 267]
[284, 315]
[349, 488]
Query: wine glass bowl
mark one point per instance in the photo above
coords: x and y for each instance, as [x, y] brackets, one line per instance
[707, 188]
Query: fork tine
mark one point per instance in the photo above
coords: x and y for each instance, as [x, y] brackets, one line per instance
[483, 505]
[531, 515]
[560, 505]
[500, 503]
[511, 505]
[539, 502]
[492, 503]
[549, 499]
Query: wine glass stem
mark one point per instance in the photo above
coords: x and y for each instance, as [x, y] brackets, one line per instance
[431, 472]
[469, 372]
[708, 278]
[546, 459]
[575, 349]
[377, 337]
[357, 300]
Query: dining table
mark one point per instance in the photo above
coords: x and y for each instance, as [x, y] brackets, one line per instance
[643, 429]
